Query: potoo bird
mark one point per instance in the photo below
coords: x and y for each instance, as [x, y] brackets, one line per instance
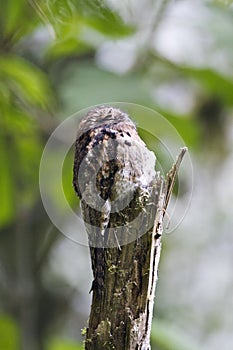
[113, 170]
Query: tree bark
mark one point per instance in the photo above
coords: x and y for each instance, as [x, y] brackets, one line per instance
[121, 315]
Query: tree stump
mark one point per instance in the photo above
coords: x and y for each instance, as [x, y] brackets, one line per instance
[125, 251]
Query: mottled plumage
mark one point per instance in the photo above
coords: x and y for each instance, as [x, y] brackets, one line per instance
[112, 165]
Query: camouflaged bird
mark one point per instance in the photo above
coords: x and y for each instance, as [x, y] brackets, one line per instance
[112, 170]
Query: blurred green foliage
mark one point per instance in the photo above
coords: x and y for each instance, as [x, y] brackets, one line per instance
[69, 20]
[100, 86]
[59, 344]
[48, 70]
[165, 336]
[9, 333]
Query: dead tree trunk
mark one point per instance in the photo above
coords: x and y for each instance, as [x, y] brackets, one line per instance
[121, 315]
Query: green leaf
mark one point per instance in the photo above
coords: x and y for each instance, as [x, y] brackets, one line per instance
[69, 17]
[17, 18]
[67, 47]
[12, 10]
[9, 333]
[26, 81]
[99, 16]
